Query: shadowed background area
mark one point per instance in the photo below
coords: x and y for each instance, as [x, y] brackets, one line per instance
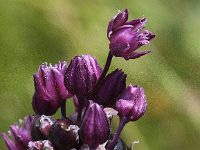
[33, 32]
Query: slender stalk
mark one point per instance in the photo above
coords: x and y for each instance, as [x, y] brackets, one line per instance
[79, 115]
[104, 72]
[106, 67]
[81, 101]
[63, 109]
[111, 144]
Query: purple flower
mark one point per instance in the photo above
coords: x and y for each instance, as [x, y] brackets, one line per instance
[50, 90]
[126, 37]
[95, 128]
[21, 135]
[131, 103]
[82, 75]
[110, 87]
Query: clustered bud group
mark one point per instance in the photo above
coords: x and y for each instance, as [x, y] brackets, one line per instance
[97, 96]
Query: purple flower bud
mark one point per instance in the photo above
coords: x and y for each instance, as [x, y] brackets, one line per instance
[49, 88]
[82, 75]
[40, 145]
[110, 87]
[20, 134]
[40, 127]
[126, 37]
[94, 129]
[64, 134]
[132, 103]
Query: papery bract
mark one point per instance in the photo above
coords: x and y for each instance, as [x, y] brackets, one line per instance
[40, 145]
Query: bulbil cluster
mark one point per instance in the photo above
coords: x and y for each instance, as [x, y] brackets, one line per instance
[97, 95]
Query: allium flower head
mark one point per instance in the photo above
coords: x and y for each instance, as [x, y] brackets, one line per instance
[126, 37]
[98, 96]
[132, 103]
[21, 135]
[94, 129]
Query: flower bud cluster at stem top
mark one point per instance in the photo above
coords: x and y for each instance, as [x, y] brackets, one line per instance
[97, 95]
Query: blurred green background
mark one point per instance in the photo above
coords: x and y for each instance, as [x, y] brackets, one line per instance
[33, 32]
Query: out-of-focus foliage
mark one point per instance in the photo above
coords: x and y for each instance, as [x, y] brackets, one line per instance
[35, 31]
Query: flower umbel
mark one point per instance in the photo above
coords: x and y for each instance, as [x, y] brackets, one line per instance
[97, 95]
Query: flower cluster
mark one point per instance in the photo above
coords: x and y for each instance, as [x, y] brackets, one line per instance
[97, 95]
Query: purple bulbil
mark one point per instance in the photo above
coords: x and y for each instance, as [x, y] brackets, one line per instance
[81, 76]
[95, 128]
[132, 103]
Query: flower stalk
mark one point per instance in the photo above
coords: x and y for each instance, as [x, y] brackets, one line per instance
[112, 143]
[106, 67]
[63, 109]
